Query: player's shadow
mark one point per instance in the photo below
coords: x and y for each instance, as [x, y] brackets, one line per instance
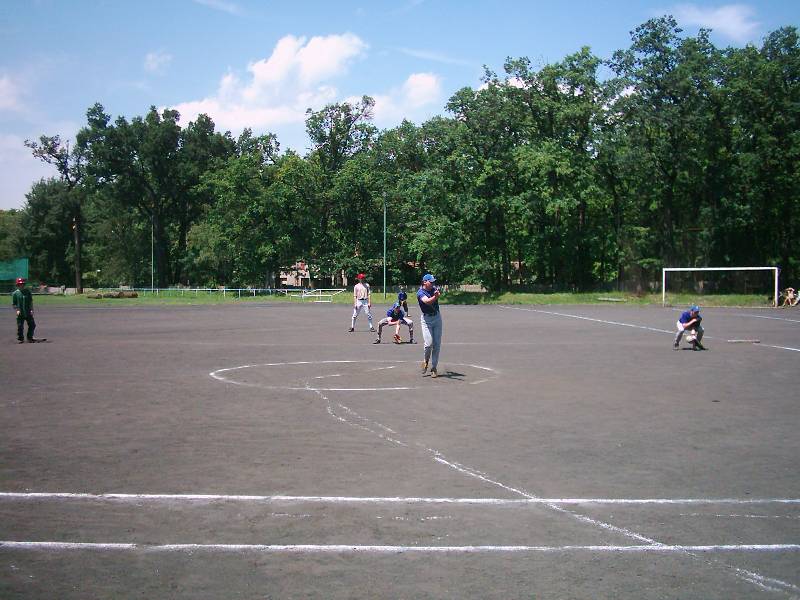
[453, 375]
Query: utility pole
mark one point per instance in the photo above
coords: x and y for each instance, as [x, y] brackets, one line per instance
[152, 253]
[384, 245]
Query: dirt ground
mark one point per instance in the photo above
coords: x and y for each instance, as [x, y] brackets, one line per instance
[262, 451]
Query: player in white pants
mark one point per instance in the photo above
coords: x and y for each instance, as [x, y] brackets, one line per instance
[361, 299]
[689, 322]
[431, 321]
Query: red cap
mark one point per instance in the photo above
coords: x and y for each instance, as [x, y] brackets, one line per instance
[361, 276]
[20, 281]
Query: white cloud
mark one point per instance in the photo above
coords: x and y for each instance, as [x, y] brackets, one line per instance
[735, 21]
[21, 169]
[300, 73]
[279, 89]
[436, 57]
[221, 5]
[10, 94]
[411, 100]
[157, 62]
[421, 89]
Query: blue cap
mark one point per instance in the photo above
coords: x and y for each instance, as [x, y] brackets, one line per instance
[428, 277]
[694, 308]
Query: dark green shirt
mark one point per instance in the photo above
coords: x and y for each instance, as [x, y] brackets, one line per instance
[22, 300]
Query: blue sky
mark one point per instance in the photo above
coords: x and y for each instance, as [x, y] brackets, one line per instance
[261, 63]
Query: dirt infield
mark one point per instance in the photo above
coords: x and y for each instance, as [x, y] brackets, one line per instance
[262, 451]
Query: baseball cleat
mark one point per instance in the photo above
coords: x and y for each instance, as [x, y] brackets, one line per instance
[424, 366]
[434, 373]
[377, 341]
[351, 330]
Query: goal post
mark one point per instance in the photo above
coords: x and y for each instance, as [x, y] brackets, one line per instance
[665, 270]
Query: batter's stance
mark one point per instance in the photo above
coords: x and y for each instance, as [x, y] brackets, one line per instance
[431, 320]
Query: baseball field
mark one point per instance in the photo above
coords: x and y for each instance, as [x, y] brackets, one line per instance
[259, 450]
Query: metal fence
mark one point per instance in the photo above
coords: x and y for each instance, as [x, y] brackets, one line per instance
[225, 292]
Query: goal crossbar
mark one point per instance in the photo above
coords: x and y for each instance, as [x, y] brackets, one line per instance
[665, 270]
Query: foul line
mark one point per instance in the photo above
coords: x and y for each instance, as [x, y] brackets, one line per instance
[558, 314]
[385, 500]
[780, 347]
[765, 317]
[382, 549]
[752, 577]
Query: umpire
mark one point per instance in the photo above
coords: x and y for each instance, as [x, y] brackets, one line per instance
[22, 300]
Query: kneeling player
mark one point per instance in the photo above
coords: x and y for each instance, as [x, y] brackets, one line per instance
[689, 323]
[395, 316]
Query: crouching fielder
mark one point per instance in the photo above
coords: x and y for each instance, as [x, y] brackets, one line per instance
[395, 316]
[689, 322]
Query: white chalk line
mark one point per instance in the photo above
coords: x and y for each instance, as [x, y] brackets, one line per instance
[331, 411]
[439, 458]
[389, 499]
[779, 347]
[753, 578]
[218, 375]
[392, 549]
[735, 516]
[764, 317]
[558, 314]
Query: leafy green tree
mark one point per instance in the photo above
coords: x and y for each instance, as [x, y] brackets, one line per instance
[339, 133]
[71, 167]
[669, 139]
[561, 203]
[245, 234]
[11, 236]
[46, 240]
[150, 165]
[759, 221]
[488, 130]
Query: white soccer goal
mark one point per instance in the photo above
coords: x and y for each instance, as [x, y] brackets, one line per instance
[664, 271]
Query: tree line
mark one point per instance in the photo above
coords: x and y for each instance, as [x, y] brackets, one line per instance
[580, 174]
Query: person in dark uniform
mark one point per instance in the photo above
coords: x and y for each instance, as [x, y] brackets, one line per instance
[395, 316]
[22, 301]
[431, 320]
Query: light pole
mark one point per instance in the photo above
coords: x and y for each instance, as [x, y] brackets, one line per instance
[152, 253]
[384, 245]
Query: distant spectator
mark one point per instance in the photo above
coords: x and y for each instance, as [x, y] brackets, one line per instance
[22, 301]
[790, 297]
